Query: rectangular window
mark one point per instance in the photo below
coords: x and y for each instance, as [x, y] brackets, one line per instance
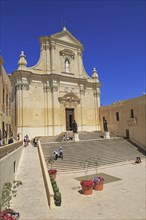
[132, 113]
[117, 116]
[3, 96]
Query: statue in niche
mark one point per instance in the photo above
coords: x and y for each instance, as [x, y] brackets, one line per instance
[105, 125]
[67, 65]
[74, 127]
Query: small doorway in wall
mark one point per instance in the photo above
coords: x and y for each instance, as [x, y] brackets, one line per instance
[69, 118]
[127, 134]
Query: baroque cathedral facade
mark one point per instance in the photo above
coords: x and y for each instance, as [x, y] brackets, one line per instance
[48, 97]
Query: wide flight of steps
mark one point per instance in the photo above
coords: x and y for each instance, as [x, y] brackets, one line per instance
[111, 151]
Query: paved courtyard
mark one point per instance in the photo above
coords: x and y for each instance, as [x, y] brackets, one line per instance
[124, 199]
[120, 200]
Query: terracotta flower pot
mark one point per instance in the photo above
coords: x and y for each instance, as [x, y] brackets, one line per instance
[87, 187]
[87, 190]
[52, 173]
[98, 186]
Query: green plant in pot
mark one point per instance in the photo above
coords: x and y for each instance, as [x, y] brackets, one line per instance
[57, 198]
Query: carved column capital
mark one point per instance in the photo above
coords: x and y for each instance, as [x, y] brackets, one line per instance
[22, 86]
[48, 88]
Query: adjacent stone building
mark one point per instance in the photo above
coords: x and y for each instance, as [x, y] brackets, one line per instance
[47, 97]
[5, 104]
[127, 118]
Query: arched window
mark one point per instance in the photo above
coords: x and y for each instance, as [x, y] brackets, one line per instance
[67, 65]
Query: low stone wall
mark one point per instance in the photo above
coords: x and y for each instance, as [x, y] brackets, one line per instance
[47, 182]
[10, 157]
[6, 149]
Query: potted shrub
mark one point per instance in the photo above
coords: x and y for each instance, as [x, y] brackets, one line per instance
[87, 185]
[98, 183]
[57, 198]
[57, 194]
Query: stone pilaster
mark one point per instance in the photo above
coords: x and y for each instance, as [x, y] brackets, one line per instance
[80, 62]
[52, 48]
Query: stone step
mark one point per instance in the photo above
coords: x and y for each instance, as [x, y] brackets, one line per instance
[110, 151]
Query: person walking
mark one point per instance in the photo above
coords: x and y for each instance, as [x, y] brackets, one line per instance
[61, 153]
[55, 154]
[18, 137]
[26, 140]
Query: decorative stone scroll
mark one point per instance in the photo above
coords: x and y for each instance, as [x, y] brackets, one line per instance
[67, 52]
[69, 98]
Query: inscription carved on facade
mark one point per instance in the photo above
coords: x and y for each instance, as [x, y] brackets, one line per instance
[131, 121]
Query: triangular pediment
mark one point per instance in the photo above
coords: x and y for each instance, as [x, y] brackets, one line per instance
[66, 36]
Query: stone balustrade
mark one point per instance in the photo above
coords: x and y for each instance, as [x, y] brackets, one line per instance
[47, 182]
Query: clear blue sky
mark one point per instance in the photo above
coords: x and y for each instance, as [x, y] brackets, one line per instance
[112, 33]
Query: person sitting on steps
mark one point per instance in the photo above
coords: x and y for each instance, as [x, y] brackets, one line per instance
[138, 160]
[65, 138]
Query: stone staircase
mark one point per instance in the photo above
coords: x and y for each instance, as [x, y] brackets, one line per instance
[111, 151]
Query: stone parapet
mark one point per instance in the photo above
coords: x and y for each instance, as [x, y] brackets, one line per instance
[47, 182]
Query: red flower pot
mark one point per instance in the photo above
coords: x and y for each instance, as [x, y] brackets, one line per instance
[53, 173]
[87, 190]
[87, 187]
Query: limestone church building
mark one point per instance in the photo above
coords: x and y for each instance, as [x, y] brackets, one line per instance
[47, 97]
